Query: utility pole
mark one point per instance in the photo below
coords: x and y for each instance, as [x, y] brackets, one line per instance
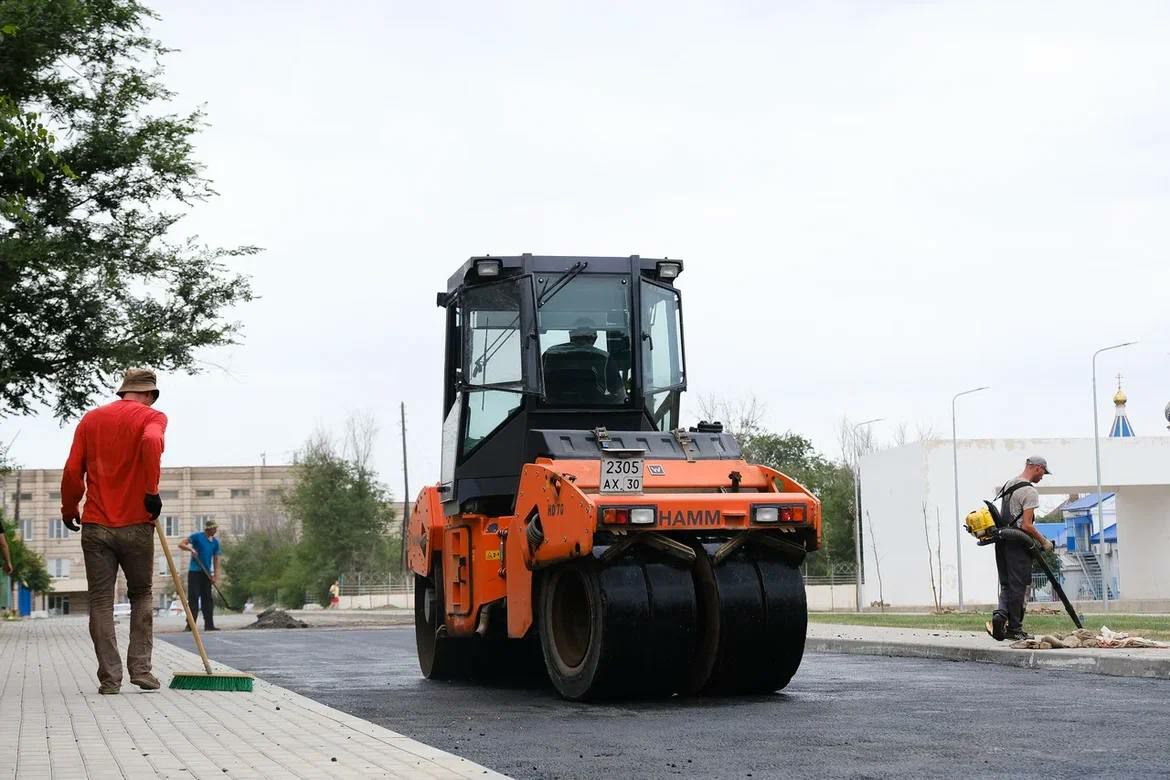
[1097, 456]
[405, 488]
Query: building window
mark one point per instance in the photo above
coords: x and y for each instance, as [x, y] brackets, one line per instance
[240, 524]
[54, 495]
[21, 497]
[58, 568]
[273, 492]
[58, 605]
[57, 529]
[161, 565]
[201, 521]
[204, 493]
[171, 525]
[168, 495]
[26, 528]
[241, 492]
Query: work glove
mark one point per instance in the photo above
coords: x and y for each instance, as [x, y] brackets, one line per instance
[153, 504]
[71, 523]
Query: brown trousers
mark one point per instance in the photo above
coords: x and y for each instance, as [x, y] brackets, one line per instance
[105, 549]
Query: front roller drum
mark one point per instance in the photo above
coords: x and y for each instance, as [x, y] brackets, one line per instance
[440, 657]
[623, 630]
[754, 621]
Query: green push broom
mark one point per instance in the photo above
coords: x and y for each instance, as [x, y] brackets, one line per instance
[206, 680]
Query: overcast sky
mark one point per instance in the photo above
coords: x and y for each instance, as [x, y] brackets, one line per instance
[879, 204]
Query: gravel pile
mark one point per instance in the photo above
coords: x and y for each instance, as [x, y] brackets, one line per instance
[277, 618]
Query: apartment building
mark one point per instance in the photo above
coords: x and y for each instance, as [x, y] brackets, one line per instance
[239, 498]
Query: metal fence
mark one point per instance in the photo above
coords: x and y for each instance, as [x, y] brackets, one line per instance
[837, 573]
[359, 584]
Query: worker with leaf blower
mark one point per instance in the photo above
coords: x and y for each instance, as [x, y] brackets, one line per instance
[115, 464]
[203, 572]
[1013, 554]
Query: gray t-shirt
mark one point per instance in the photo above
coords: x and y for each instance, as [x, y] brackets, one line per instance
[1027, 497]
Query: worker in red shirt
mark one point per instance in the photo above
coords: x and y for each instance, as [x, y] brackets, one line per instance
[115, 465]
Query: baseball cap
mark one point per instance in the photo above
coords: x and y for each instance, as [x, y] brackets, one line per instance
[209, 524]
[1037, 460]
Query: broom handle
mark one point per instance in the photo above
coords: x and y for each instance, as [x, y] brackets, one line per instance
[182, 596]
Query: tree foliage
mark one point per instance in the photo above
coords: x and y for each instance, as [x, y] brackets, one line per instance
[28, 567]
[340, 521]
[264, 565]
[94, 174]
[345, 516]
[794, 455]
[829, 481]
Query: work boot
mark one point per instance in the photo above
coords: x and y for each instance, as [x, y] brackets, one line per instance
[210, 628]
[146, 681]
[995, 627]
[108, 689]
[1016, 635]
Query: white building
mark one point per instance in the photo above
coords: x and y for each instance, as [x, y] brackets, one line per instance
[900, 485]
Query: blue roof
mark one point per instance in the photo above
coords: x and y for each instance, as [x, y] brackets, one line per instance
[1121, 428]
[1053, 532]
[1110, 535]
[1087, 502]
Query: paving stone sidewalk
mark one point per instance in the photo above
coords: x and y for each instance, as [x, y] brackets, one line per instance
[979, 647]
[56, 725]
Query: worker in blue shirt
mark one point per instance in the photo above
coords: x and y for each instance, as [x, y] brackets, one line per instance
[203, 572]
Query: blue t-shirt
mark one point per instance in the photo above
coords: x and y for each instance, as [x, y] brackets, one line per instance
[205, 548]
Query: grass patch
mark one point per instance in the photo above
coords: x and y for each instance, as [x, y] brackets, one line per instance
[1149, 626]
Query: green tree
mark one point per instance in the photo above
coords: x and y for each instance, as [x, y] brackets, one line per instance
[345, 516]
[94, 174]
[831, 482]
[264, 565]
[28, 567]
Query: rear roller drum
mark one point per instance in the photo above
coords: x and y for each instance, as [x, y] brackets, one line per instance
[626, 629]
[754, 619]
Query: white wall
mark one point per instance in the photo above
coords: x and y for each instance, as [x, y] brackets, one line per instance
[830, 598]
[896, 483]
[1143, 542]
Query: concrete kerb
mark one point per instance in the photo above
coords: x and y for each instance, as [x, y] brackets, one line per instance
[965, 646]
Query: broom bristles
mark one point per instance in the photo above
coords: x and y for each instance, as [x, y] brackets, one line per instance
[201, 681]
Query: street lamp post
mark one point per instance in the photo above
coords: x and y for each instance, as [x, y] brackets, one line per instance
[857, 510]
[958, 523]
[1097, 453]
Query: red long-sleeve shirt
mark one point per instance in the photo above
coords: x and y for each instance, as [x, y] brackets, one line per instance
[115, 461]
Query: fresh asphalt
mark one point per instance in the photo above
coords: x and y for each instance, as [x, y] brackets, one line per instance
[842, 716]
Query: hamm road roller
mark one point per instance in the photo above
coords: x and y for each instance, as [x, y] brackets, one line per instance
[573, 511]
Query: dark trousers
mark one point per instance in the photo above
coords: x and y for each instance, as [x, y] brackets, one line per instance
[105, 549]
[1014, 565]
[199, 592]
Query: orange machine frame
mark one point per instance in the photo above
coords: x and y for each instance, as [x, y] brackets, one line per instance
[486, 559]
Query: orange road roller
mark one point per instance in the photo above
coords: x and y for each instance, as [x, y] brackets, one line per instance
[575, 515]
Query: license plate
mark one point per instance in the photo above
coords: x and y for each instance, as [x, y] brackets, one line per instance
[621, 475]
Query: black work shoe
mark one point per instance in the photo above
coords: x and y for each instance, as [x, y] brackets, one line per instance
[1017, 635]
[186, 628]
[211, 628]
[995, 627]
